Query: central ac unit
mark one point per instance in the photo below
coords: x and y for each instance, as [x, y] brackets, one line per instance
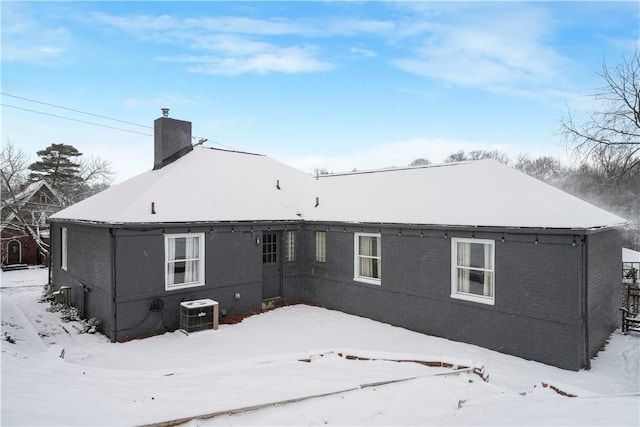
[198, 315]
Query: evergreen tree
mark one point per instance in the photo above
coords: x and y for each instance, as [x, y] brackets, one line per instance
[59, 166]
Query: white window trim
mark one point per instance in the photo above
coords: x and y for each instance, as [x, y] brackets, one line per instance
[202, 258]
[63, 248]
[320, 244]
[454, 272]
[356, 259]
[290, 246]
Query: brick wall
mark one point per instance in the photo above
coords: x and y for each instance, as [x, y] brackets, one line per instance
[88, 270]
[603, 276]
[537, 311]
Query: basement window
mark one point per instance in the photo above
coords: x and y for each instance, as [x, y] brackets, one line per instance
[367, 264]
[184, 260]
[473, 270]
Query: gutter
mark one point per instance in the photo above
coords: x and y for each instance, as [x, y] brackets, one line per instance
[113, 285]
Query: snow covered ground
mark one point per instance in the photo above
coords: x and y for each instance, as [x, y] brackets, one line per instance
[291, 353]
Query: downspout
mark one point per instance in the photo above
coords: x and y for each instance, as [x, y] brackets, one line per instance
[113, 285]
[51, 246]
[585, 295]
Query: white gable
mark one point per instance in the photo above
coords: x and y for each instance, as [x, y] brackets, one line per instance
[216, 185]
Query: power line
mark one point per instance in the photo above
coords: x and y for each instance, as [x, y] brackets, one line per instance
[74, 110]
[90, 114]
[74, 120]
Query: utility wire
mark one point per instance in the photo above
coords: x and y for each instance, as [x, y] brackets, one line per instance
[75, 111]
[91, 114]
[74, 120]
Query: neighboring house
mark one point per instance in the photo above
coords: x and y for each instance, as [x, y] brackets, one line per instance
[473, 251]
[630, 265]
[35, 203]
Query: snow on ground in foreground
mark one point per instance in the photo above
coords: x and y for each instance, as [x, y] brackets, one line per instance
[258, 362]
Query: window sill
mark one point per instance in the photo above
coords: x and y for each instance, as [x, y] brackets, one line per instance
[368, 280]
[182, 286]
[474, 298]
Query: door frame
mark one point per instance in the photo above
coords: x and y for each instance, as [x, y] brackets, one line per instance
[272, 264]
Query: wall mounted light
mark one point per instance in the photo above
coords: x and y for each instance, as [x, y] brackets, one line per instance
[258, 241]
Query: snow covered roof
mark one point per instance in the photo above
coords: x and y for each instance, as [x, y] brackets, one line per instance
[204, 185]
[630, 256]
[473, 193]
[218, 185]
[26, 194]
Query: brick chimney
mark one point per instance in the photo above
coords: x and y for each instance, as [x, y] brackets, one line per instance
[172, 139]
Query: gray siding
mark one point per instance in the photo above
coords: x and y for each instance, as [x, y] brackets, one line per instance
[232, 264]
[604, 289]
[88, 270]
[537, 311]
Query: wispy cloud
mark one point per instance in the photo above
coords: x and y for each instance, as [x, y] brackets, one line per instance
[25, 40]
[226, 45]
[283, 60]
[491, 48]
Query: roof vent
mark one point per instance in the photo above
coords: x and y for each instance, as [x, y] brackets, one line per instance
[165, 112]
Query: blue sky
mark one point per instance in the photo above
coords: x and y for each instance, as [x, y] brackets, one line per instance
[335, 85]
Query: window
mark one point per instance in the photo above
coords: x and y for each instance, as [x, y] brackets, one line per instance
[367, 258]
[291, 246]
[269, 248]
[321, 246]
[472, 270]
[63, 248]
[184, 259]
[43, 199]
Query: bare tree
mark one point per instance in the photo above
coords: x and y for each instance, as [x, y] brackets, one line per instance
[13, 170]
[545, 168]
[617, 123]
[95, 175]
[420, 162]
[478, 155]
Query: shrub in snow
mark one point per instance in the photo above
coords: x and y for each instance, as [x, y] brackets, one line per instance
[70, 314]
[47, 294]
[8, 338]
[89, 326]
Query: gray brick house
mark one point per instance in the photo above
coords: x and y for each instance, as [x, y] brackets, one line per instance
[473, 251]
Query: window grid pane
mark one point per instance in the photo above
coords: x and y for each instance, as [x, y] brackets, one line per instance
[269, 248]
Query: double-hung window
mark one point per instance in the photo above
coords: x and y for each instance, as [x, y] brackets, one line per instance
[367, 265]
[184, 260]
[321, 246]
[473, 270]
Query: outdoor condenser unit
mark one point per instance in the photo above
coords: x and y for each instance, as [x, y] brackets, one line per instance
[198, 315]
